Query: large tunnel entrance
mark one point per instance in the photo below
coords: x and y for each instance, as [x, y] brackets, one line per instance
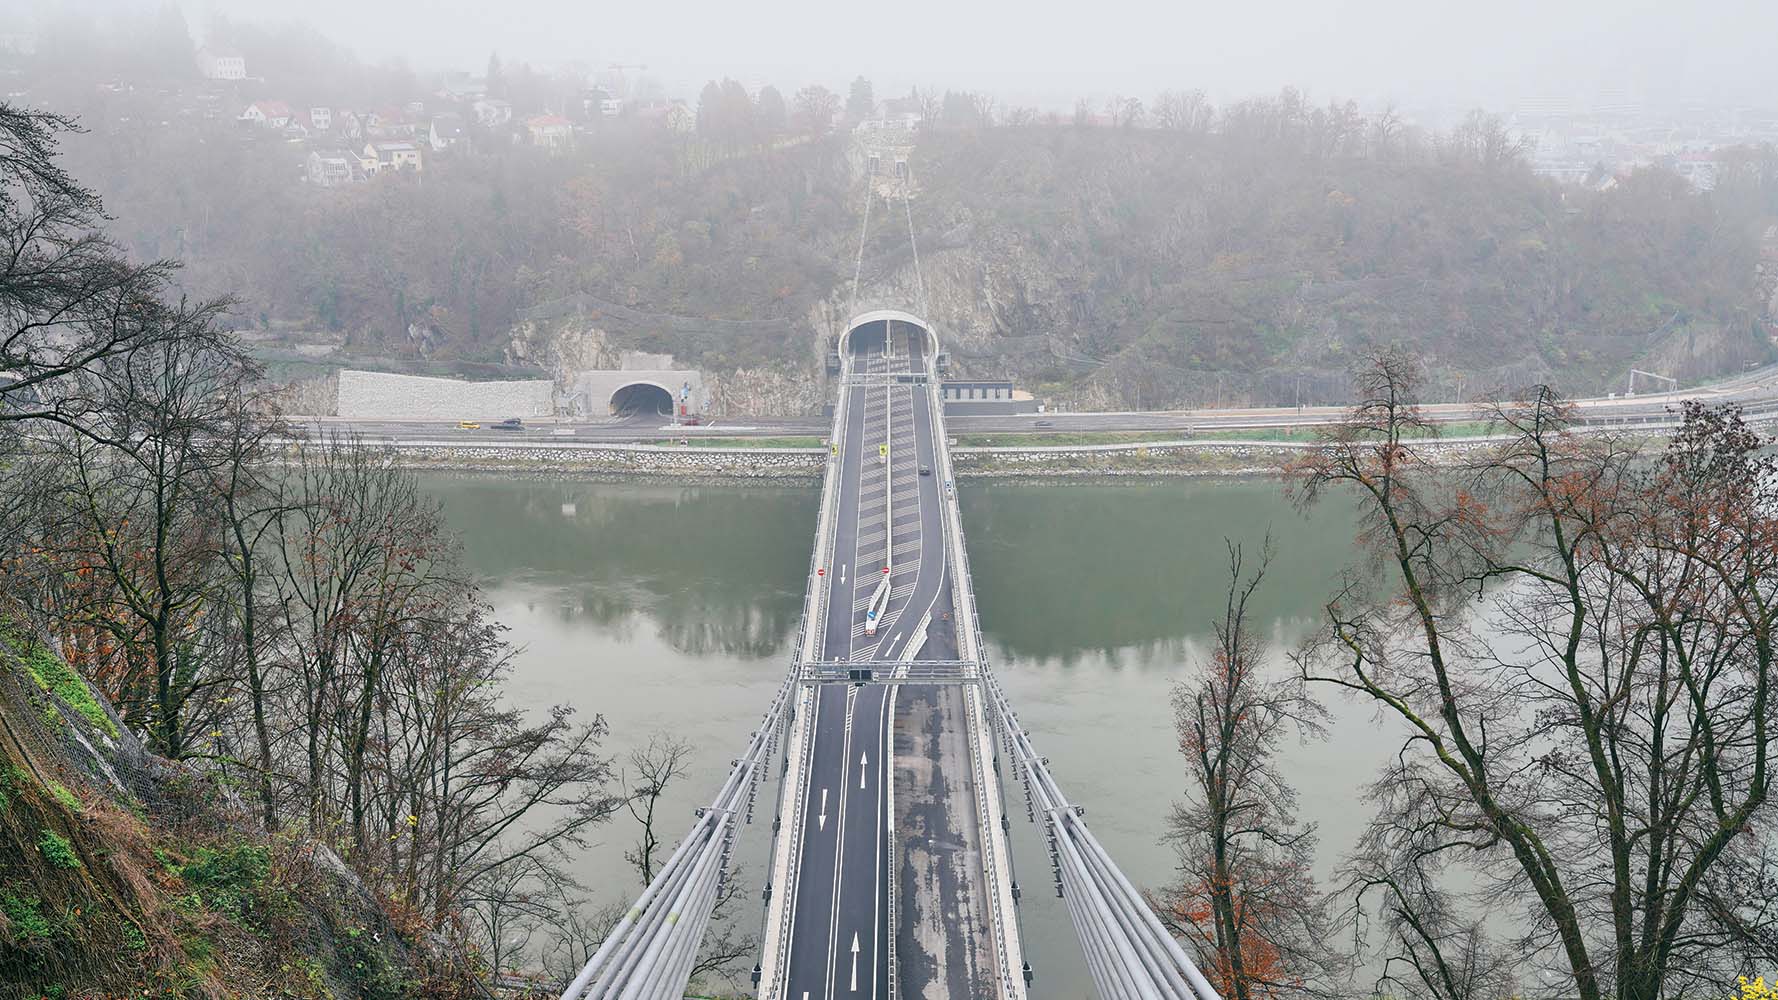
[868, 339]
[641, 399]
[867, 332]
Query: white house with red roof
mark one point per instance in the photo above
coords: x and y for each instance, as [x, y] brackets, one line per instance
[272, 114]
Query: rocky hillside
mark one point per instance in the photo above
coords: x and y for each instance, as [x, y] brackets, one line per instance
[1109, 266]
[1101, 266]
[125, 875]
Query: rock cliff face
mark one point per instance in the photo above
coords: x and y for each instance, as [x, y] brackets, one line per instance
[575, 341]
[1133, 268]
[1137, 268]
[126, 874]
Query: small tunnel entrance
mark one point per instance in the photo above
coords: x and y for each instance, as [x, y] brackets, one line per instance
[641, 399]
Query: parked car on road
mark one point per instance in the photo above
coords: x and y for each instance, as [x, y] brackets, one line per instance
[1046, 423]
[468, 425]
[510, 424]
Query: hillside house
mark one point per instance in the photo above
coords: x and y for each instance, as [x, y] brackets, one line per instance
[392, 157]
[550, 131]
[269, 114]
[221, 66]
[334, 168]
[491, 112]
[447, 132]
[347, 125]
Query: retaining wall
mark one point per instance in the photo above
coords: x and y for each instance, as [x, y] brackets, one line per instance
[389, 396]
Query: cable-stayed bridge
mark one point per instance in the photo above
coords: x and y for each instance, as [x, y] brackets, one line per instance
[892, 736]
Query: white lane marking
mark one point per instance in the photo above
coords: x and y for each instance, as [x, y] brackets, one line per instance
[885, 829]
[863, 762]
[821, 820]
[854, 961]
[842, 572]
[839, 849]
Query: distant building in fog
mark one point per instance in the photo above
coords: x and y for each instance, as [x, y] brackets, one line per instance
[391, 157]
[333, 168]
[272, 114]
[491, 112]
[550, 131]
[446, 131]
[217, 66]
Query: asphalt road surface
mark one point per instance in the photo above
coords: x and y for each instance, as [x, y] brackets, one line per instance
[1752, 389]
[840, 926]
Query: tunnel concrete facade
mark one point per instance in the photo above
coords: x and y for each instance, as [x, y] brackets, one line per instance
[888, 316]
[594, 393]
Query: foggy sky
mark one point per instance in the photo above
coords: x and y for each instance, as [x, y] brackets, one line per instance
[1413, 52]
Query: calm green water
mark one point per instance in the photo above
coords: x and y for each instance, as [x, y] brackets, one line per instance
[674, 608]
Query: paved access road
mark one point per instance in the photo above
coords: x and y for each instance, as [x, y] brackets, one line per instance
[840, 926]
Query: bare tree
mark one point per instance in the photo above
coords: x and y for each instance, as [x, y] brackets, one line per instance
[69, 298]
[1576, 637]
[815, 107]
[249, 503]
[1124, 112]
[139, 529]
[1245, 896]
[725, 949]
[1483, 138]
[576, 929]
[652, 768]
[1397, 882]
[1183, 111]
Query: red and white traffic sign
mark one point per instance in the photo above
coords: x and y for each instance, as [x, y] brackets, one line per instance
[821, 571]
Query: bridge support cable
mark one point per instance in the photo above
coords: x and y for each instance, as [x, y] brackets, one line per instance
[858, 261]
[907, 203]
[649, 955]
[1129, 951]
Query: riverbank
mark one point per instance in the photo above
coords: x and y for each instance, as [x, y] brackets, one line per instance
[679, 463]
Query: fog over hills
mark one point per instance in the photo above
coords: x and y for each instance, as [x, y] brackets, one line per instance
[1046, 52]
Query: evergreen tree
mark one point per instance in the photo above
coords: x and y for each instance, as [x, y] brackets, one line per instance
[861, 104]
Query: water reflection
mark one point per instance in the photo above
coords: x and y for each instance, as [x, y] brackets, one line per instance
[674, 608]
[716, 570]
[1127, 572]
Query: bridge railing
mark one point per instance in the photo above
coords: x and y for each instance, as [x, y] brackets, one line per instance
[651, 951]
[773, 977]
[1129, 952]
[891, 672]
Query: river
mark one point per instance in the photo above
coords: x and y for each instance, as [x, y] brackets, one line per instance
[673, 608]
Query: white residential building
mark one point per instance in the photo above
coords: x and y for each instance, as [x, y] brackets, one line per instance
[550, 131]
[492, 111]
[219, 66]
[272, 114]
[333, 168]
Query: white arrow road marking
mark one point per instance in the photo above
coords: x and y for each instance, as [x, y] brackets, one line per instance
[855, 961]
[863, 762]
[842, 572]
[821, 820]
